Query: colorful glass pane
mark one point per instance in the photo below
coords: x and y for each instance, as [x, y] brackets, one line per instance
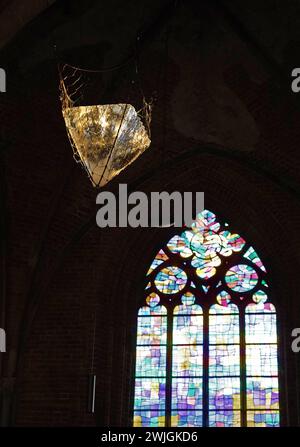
[187, 393]
[252, 256]
[206, 221]
[223, 298]
[225, 418]
[152, 330]
[241, 278]
[170, 280]
[158, 260]
[234, 242]
[187, 361]
[260, 307]
[225, 393]
[205, 272]
[188, 299]
[183, 309]
[186, 418]
[147, 311]
[150, 394]
[263, 418]
[181, 244]
[262, 393]
[150, 361]
[206, 246]
[152, 300]
[259, 297]
[150, 418]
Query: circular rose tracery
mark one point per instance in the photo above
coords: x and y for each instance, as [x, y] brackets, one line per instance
[241, 278]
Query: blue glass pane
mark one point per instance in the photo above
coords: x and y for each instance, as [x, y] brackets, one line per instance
[170, 280]
[152, 330]
[225, 418]
[150, 361]
[225, 393]
[150, 418]
[150, 394]
[262, 393]
[151, 311]
[186, 418]
[263, 418]
[241, 278]
[187, 393]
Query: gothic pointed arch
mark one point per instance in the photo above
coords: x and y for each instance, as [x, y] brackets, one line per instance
[206, 348]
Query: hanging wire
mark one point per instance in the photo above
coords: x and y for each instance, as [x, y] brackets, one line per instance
[107, 69]
[70, 90]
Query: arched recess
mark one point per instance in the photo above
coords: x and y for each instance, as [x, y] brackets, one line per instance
[206, 351]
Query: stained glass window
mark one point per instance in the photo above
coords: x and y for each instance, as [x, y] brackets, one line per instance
[224, 363]
[262, 363]
[187, 363]
[150, 377]
[206, 351]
